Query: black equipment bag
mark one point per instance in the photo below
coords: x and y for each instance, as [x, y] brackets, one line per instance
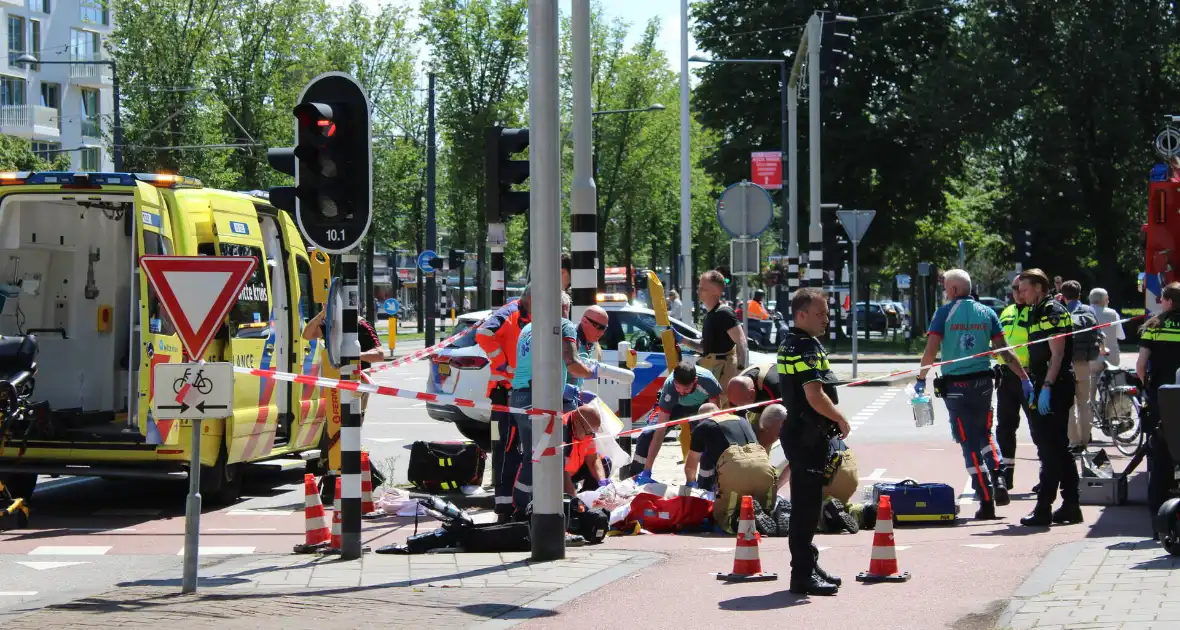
[494, 537]
[439, 467]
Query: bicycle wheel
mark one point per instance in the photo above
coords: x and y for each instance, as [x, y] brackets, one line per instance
[1125, 429]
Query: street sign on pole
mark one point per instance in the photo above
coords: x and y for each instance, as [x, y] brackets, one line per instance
[856, 223]
[424, 260]
[210, 396]
[391, 306]
[903, 281]
[923, 269]
[766, 169]
[745, 210]
[198, 291]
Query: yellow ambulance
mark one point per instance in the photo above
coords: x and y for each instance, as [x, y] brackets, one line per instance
[69, 274]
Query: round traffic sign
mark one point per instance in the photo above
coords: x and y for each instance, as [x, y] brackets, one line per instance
[745, 210]
[391, 306]
[424, 260]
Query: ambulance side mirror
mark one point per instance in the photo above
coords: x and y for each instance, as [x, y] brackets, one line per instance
[321, 276]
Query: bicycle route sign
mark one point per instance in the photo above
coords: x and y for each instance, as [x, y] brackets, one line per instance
[190, 391]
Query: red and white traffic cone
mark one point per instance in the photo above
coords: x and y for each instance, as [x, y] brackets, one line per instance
[316, 532]
[368, 507]
[883, 561]
[337, 541]
[747, 567]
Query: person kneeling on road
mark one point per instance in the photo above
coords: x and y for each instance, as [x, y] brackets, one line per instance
[583, 464]
[727, 459]
[685, 390]
[959, 330]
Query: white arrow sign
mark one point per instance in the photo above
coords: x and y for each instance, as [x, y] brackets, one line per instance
[210, 391]
[42, 566]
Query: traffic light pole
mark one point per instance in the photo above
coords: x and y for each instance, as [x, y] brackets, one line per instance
[548, 521]
[815, 268]
[431, 305]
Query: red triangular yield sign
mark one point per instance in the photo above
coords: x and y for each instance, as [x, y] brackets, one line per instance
[197, 293]
[847, 303]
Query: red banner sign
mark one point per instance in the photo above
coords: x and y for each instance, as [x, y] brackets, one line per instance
[766, 169]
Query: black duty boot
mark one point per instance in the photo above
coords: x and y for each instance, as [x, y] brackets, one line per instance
[986, 511]
[1038, 518]
[1000, 490]
[1036, 489]
[814, 585]
[824, 575]
[1068, 514]
[1009, 474]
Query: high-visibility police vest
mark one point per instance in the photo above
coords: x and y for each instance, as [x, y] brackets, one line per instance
[1014, 321]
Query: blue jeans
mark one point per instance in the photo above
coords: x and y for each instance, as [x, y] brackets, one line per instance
[969, 403]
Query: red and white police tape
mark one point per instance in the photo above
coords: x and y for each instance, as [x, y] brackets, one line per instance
[990, 352]
[383, 390]
[424, 352]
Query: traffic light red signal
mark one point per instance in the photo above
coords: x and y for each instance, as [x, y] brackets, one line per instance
[331, 162]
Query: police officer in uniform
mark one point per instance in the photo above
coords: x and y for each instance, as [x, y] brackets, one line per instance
[1010, 397]
[1050, 365]
[1159, 358]
[808, 434]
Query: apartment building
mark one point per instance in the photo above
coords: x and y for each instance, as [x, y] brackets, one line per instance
[58, 105]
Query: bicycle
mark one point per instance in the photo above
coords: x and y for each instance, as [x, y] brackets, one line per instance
[203, 385]
[1116, 405]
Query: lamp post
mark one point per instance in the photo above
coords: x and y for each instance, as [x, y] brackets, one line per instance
[789, 239]
[27, 60]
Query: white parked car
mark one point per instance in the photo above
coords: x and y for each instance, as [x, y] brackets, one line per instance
[461, 369]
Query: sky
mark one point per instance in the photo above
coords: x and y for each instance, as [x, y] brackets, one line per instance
[635, 12]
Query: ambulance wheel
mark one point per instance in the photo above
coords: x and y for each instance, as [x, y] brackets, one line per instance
[20, 485]
[221, 483]
[1172, 546]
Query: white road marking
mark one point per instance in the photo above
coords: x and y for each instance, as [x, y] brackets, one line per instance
[875, 476]
[982, 546]
[221, 551]
[936, 449]
[404, 424]
[128, 512]
[69, 550]
[418, 404]
[101, 529]
[17, 593]
[262, 512]
[902, 548]
[42, 566]
[718, 549]
[373, 439]
[968, 494]
[241, 529]
[414, 378]
[823, 548]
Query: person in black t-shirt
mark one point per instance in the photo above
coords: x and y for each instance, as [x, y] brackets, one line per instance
[710, 438]
[1159, 359]
[723, 346]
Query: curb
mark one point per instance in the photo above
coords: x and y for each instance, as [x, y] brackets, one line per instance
[545, 604]
[1042, 578]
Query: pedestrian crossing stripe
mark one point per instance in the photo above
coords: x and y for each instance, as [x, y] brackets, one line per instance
[982, 545]
[69, 550]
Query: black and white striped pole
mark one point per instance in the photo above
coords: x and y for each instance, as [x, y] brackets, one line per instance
[496, 240]
[583, 194]
[625, 397]
[350, 408]
[332, 202]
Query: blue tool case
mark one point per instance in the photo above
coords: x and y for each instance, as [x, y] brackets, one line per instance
[914, 502]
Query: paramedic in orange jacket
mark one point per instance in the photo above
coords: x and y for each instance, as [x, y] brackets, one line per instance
[497, 337]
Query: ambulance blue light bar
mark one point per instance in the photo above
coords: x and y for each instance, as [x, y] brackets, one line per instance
[70, 178]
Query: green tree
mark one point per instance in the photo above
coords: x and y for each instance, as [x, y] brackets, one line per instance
[1075, 93]
[480, 53]
[16, 154]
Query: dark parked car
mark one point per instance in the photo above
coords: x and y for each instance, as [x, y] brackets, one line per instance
[877, 320]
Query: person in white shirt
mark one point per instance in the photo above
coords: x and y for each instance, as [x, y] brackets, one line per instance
[674, 304]
[1111, 335]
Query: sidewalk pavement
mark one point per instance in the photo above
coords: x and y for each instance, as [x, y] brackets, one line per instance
[1117, 582]
[487, 591]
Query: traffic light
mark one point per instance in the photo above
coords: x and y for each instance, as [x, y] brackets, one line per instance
[1022, 240]
[502, 173]
[458, 256]
[835, 51]
[331, 163]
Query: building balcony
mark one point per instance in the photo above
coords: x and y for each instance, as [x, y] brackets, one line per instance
[90, 74]
[16, 120]
[91, 128]
[46, 121]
